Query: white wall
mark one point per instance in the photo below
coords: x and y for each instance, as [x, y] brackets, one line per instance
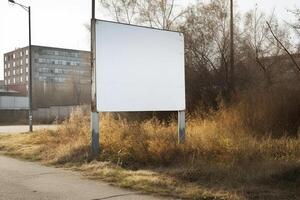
[13, 102]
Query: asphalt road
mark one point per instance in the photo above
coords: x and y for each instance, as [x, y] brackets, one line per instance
[21, 180]
[23, 128]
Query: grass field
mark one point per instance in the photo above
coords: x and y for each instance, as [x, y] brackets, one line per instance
[218, 161]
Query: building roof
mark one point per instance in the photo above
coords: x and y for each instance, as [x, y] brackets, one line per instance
[8, 92]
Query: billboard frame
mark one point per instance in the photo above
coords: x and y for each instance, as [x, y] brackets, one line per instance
[94, 113]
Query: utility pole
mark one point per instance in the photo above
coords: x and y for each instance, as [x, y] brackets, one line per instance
[30, 75]
[94, 114]
[232, 67]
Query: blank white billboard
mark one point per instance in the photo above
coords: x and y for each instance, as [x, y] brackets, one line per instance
[138, 68]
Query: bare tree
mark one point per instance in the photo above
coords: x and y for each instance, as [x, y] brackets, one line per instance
[211, 31]
[155, 13]
[160, 13]
[296, 24]
[207, 38]
[283, 47]
[259, 41]
[122, 10]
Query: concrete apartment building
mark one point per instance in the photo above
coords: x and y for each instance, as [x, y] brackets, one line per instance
[61, 77]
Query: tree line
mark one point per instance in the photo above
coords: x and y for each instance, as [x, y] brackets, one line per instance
[266, 54]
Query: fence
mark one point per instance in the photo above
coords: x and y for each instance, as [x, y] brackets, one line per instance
[13, 103]
[53, 113]
[15, 110]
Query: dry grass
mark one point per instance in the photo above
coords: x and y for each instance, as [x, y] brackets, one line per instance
[220, 160]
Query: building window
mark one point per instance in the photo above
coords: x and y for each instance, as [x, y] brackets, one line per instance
[21, 79]
[14, 80]
[5, 82]
[5, 58]
[59, 79]
[14, 56]
[44, 69]
[26, 60]
[5, 74]
[26, 78]
[21, 71]
[8, 81]
[42, 78]
[58, 71]
[8, 73]
[26, 69]
[14, 72]
[8, 65]
[14, 64]
[26, 52]
[21, 62]
[21, 53]
[5, 66]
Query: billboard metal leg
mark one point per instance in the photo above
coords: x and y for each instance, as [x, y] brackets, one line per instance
[95, 134]
[181, 127]
[30, 121]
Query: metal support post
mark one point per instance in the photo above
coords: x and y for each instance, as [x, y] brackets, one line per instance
[181, 127]
[94, 114]
[95, 134]
[232, 67]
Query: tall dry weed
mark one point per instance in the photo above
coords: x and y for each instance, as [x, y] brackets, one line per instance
[216, 148]
[275, 112]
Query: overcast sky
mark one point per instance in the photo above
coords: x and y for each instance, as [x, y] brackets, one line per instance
[60, 23]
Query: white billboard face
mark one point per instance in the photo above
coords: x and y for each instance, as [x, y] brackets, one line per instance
[138, 68]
